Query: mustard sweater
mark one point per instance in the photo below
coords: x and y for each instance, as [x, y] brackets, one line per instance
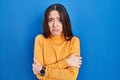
[52, 52]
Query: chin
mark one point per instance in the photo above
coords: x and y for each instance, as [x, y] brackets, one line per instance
[55, 34]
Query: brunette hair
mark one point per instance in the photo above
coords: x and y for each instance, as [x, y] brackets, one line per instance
[67, 31]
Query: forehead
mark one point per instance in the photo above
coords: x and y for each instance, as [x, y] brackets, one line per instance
[54, 13]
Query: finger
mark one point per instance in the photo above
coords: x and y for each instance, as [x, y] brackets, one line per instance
[80, 63]
[36, 61]
[34, 72]
[32, 66]
[35, 67]
[75, 54]
[77, 66]
[77, 62]
[77, 57]
[80, 60]
[80, 57]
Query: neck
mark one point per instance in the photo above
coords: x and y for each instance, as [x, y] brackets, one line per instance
[57, 36]
[57, 39]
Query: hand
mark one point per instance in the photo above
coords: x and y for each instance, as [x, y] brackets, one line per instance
[36, 67]
[74, 60]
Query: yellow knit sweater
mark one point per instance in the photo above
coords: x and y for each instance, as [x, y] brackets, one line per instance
[52, 52]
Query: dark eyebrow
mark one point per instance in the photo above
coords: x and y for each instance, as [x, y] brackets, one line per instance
[53, 18]
[50, 18]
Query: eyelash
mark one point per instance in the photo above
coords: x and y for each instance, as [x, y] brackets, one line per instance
[50, 20]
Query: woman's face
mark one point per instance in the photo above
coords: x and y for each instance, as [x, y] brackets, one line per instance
[54, 23]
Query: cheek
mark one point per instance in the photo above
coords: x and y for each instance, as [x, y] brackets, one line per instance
[61, 28]
[50, 26]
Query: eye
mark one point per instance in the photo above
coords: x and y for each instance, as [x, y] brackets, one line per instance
[60, 19]
[50, 20]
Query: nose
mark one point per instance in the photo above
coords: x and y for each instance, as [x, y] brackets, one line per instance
[54, 24]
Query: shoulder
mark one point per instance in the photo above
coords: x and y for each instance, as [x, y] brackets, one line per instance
[39, 37]
[75, 38]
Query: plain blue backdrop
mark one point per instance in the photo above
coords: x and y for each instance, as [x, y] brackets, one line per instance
[96, 22]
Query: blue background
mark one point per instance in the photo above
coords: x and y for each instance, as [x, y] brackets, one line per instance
[96, 22]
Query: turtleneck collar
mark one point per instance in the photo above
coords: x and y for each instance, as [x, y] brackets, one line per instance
[57, 39]
[60, 37]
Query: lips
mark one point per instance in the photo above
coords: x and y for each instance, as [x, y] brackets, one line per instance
[55, 30]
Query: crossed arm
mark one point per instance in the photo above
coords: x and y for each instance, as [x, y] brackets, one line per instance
[62, 69]
[66, 68]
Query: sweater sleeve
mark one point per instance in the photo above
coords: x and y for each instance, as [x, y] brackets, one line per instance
[69, 73]
[59, 64]
[74, 48]
[38, 56]
[58, 70]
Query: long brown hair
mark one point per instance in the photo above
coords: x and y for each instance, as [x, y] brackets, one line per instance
[67, 31]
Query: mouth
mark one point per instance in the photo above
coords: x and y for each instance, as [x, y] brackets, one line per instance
[55, 30]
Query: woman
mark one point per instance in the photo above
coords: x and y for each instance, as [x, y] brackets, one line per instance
[56, 51]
